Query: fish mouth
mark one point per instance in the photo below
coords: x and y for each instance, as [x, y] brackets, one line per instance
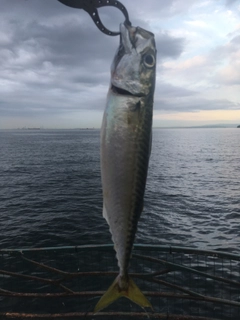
[121, 91]
[124, 92]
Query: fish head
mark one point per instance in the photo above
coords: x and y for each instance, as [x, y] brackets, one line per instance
[134, 66]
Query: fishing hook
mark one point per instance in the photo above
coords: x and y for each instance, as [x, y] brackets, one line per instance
[90, 6]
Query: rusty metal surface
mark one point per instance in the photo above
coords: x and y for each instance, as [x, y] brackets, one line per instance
[104, 315]
[65, 283]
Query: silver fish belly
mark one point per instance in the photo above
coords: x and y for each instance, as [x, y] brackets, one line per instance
[125, 146]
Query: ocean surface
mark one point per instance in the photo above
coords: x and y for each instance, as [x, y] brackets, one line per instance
[50, 189]
[50, 196]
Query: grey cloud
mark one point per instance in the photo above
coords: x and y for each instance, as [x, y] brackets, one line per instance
[236, 41]
[93, 79]
[195, 105]
[65, 44]
[54, 60]
[157, 8]
[167, 90]
[69, 43]
[177, 99]
[230, 2]
[168, 46]
[229, 73]
[32, 9]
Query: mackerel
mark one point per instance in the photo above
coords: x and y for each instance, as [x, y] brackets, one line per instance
[125, 149]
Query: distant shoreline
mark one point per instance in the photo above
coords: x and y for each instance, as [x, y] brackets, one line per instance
[218, 126]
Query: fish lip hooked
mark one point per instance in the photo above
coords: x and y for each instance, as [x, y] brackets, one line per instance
[127, 36]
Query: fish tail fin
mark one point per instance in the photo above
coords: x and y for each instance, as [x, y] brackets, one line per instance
[114, 292]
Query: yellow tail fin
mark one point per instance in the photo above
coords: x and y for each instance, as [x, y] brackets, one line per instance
[114, 292]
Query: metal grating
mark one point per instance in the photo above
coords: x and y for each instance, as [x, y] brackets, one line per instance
[66, 283]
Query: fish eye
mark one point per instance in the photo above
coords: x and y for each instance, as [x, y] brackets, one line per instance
[149, 60]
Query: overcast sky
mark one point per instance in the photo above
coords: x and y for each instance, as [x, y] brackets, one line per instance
[55, 63]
